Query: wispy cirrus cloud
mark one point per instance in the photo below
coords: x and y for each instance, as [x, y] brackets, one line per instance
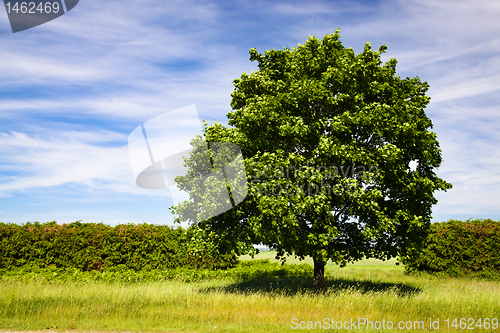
[68, 157]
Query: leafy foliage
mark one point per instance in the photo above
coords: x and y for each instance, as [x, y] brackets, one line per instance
[95, 246]
[206, 249]
[455, 248]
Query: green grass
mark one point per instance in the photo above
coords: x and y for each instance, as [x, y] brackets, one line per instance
[229, 303]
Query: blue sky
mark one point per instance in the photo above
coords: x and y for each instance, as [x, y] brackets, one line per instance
[73, 89]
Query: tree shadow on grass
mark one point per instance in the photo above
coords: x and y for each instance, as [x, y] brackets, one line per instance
[294, 286]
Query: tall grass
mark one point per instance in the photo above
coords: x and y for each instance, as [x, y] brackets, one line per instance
[231, 303]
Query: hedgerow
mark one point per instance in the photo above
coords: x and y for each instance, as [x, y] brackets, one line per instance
[459, 248]
[96, 246]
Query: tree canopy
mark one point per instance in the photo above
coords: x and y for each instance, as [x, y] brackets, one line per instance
[339, 156]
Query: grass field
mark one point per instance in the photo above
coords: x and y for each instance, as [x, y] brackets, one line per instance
[371, 289]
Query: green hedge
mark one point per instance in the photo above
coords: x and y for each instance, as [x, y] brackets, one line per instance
[96, 246]
[459, 248]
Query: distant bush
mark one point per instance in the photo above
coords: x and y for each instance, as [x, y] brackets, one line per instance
[96, 246]
[459, 248]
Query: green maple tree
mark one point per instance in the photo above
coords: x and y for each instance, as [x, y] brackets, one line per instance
[329, 138]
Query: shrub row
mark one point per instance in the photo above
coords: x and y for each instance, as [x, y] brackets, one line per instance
[459, 248]
[96, 246]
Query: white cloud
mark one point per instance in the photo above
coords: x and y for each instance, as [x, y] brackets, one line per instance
[72, 158]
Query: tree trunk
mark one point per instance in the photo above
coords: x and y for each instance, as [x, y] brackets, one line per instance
[319, 274]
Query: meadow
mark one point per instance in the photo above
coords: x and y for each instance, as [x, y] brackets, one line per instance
[379, 291]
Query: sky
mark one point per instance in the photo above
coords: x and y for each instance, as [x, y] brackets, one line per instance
[73, 89]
